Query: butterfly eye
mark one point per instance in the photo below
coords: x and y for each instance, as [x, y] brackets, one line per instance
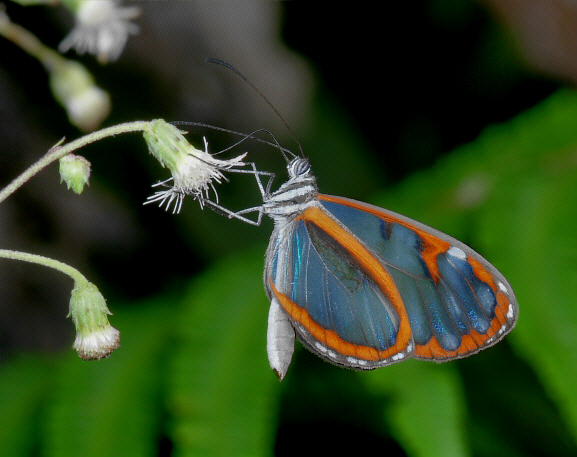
[299, 167]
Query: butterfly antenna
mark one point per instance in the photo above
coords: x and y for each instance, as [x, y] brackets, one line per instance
[252, 137]
[275, 143]
[238, 73]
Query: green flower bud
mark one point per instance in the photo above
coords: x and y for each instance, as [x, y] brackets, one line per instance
[168, 145]
[95, 337]
[75, 171]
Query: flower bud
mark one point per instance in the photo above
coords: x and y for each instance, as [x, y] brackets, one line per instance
[73, 86]
[95, 337]
[75, 171]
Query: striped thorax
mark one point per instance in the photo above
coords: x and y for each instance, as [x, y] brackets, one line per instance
[295, 195]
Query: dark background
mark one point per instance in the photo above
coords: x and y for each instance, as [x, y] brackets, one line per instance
[373, 94]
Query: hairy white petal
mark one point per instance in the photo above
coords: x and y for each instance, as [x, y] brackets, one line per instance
[97, 344]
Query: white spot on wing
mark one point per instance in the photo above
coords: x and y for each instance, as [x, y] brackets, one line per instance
[398, 357]
[456, 252]
[510, 312]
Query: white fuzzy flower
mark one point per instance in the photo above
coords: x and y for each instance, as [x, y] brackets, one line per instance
[102, 28]
[95, 337]
[192, 170]
[97, 344]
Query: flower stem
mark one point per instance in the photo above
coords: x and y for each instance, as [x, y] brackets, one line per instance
[57, 151]
[28, 42]
[45, 261]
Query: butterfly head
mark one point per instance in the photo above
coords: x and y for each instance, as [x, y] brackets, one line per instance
[299, 168]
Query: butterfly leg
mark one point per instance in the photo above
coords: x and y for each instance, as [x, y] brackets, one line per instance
[263, 191]
[234, 215]
[257, 174]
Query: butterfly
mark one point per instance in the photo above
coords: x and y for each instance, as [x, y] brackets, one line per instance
[363, 287]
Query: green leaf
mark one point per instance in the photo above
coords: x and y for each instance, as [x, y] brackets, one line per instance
[542, 258]
[222, 394]
[426, 413]
[24, 382]
[511, 195]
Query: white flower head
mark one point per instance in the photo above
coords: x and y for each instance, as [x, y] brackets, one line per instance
[95, 337]
[97, 344]
[193, 170]
[102, 29]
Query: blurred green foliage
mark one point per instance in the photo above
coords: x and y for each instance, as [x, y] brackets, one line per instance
[191, 377]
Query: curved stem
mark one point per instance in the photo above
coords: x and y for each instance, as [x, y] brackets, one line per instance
[58, 151]
[45, 261]
[28, 42]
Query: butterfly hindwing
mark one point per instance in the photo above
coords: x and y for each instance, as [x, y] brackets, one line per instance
[457, 303]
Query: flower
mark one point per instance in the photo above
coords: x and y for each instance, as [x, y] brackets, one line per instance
[102, 29]
[73, 86]
[192, 170]
[75, 171]
[95, 337]
[98, 344]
